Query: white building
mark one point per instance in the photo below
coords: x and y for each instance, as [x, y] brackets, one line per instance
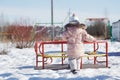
[116, 30]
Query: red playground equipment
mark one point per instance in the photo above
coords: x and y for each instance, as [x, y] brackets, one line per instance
[40, 52]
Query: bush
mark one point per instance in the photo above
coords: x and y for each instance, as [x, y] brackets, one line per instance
[22, 36]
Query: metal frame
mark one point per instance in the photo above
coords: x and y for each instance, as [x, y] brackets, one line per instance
[39, 49]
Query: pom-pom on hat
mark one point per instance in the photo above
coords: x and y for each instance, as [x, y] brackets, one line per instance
[74, 19]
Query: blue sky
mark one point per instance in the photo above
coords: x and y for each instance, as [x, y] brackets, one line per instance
[40, 10]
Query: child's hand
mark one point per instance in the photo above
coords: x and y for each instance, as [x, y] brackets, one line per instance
[94, 40]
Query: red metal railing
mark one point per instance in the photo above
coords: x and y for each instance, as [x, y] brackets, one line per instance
[39, 49]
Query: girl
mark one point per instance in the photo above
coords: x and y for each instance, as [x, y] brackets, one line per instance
[75, 36]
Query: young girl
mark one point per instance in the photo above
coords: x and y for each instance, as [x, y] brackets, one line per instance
[75, 36]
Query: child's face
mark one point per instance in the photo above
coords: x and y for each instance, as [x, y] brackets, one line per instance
[84, 27]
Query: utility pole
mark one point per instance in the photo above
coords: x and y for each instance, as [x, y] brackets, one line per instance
[106, 23]
[51, 12]
[52, 20]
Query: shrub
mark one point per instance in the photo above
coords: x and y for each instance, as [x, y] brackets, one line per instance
[22, 36]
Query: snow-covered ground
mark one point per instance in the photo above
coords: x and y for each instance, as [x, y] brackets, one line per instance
[19, 65]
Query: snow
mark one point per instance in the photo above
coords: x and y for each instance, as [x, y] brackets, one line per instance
[19, 64]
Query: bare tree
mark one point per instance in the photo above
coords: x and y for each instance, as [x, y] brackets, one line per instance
[97, 29]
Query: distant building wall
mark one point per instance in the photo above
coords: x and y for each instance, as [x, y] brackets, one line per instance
[116, 30]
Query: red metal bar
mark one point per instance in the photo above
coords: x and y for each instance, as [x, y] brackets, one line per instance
[62, 54]
[94, 51]
[106, 54]
[42, 55]
[36, 48]
[54, 42]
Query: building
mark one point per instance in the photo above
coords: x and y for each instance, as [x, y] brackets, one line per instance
[116, 30]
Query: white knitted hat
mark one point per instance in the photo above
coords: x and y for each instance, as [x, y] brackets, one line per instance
[74, 19]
